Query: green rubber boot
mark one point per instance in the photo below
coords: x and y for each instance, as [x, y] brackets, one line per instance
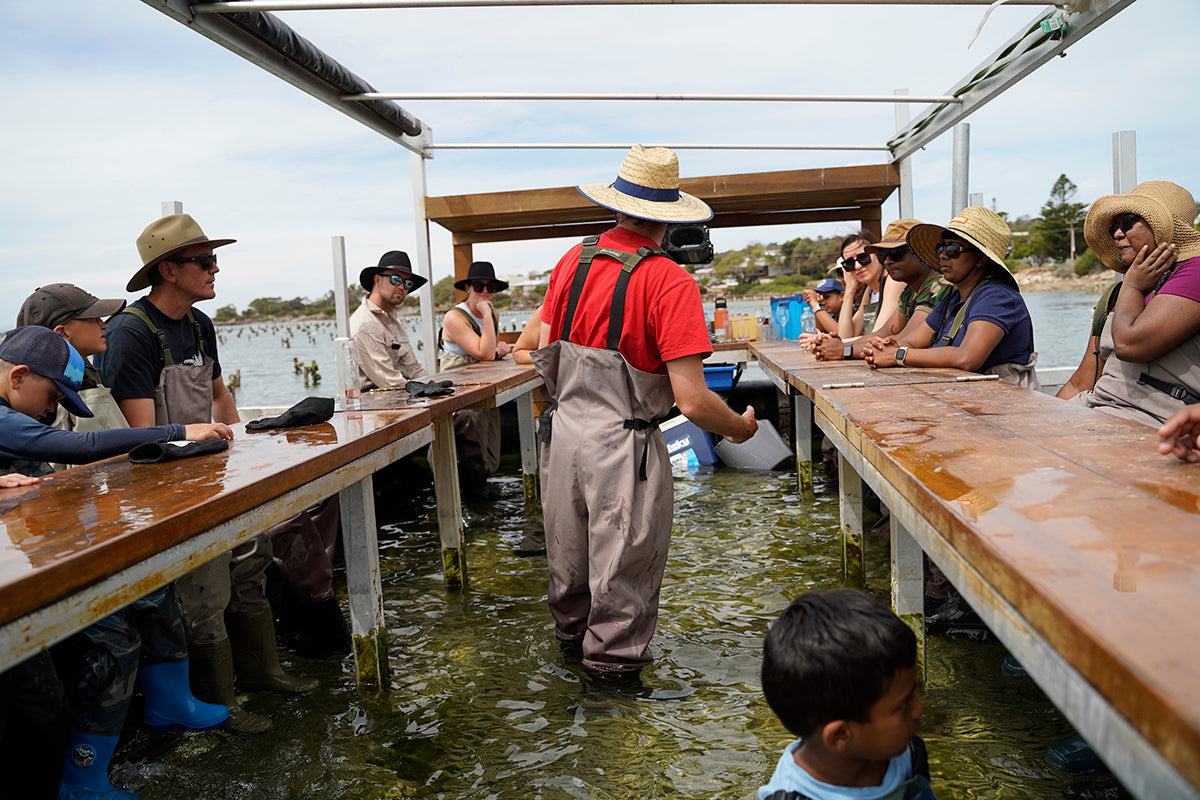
[255, 659]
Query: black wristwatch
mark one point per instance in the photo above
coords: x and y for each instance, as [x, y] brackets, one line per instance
[901, 354]
[848, 351]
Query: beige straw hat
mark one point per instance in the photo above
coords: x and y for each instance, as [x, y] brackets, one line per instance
[980, 226]
[647, 187]
[1167, 208]
[166, 237]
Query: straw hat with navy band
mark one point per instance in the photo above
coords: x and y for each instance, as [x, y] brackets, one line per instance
[165, 238]
[981, 227]
[647, 187]
[1166, 207]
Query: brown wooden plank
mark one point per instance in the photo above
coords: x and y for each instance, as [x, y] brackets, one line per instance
[89, 522]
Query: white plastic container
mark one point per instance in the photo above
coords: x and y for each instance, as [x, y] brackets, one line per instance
[764, 450]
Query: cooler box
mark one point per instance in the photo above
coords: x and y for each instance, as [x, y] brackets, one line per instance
[785, 315]
[764, 450]
[719, 378]
[688, 446]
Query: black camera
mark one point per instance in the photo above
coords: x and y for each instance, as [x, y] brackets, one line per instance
[688, 243]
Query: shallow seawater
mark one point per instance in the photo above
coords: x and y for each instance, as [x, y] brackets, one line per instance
[484, 704]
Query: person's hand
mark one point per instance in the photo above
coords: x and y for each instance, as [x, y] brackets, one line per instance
[849, 282]
[881, 355]
[875, 342]
[502, 349]
[1149, 266]
[1181, 435]
[829, 349]
[208, 430]
[15, 479]
[486, 309]
[751, 426]
[810, 297]
[808, 341]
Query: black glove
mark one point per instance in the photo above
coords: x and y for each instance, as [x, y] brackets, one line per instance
[430, 389]
[157, 452]
[308, 411]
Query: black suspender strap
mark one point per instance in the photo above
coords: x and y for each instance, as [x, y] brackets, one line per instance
[157, 331]
[1174, 390]
[581, 272]
[199, 337]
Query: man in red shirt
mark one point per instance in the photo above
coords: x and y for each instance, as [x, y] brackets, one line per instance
[623, 339]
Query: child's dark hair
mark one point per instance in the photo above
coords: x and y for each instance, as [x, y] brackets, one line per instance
[830, 656]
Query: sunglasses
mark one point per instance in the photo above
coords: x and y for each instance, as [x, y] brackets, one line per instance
[847, 264]
[895, 254]
[485, 286]
[953, 250]
[1124, 223]
[206, 261]
[400, 280]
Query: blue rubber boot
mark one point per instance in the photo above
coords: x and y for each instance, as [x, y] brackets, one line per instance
[170, 704]
[85, 775]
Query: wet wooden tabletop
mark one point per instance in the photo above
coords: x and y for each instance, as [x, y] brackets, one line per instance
[474, 385]
[1070, 514]
[89, 522]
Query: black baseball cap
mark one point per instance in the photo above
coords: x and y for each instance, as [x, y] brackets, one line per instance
[51, 356]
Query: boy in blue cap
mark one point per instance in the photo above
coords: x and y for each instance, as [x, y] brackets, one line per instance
[839, 670]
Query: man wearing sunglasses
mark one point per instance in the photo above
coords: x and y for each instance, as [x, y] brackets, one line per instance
[385, 358]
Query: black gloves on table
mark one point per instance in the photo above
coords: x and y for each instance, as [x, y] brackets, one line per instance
[429, 389]
[309, 411]
[157, 452]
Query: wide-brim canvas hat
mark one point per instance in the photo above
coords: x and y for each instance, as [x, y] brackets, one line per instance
[481, 271]
[1168, 209]
[164, 238]
[395, 260]
[59, 303]
[895, 235]
[980, 226]
[51, 356]
[647, 187]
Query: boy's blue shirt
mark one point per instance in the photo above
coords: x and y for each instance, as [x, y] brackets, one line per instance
[24, 439]
[899, 783]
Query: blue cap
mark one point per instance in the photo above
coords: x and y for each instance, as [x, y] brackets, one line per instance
[51, 356]
[829, 285]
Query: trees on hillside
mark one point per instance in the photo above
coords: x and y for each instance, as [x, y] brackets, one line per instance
[1058, 235]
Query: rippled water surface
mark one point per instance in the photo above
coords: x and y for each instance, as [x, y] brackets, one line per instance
[484, 705]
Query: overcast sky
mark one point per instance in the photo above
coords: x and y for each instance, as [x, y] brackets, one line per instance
[111, 108]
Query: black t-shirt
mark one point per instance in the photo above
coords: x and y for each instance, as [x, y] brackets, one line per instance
[131, 365]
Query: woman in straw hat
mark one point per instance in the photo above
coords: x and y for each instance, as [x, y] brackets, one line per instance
[1150, 343]
[623, 339]
[984, 326]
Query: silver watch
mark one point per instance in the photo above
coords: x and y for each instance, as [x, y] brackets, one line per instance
[901, 354]
[848, 351]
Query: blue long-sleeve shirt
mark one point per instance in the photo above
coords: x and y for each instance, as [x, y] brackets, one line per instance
[23, 438]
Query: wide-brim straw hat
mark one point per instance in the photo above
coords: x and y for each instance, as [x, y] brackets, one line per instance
[647, 187]
[164, 238]
[1167, 208]
[980, 226]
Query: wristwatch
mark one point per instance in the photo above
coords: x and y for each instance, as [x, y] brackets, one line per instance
[901, 353]
[848, 351]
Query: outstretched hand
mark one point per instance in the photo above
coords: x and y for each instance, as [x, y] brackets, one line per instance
[751, 426]
[1181, 435]
[208, 430]
[15, 479]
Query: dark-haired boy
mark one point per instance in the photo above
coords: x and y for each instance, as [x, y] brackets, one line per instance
[839, 670]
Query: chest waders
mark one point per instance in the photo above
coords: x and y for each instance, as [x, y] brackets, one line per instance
[606, 483]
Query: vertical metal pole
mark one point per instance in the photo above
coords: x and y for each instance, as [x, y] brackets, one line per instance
[340, 294]
[850, 502]
[360, 542]
[908, 586]
[170, 207]
[529, 455]
[802, 421]
[449, 506]
[961, 166]
[1124, 145]
[424, 264]
[905, 165]
[975, 199]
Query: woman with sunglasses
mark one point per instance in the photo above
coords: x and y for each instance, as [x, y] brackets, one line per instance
[981, 326]
[880, 297]
[1150, 344]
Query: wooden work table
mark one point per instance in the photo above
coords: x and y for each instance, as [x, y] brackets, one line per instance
[1074, 539]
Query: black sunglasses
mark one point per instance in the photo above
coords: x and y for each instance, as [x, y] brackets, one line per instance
[1123, 222]
[848, 263]
[953, 250]
[895, 254]
[485, 286]
[398, 280]
[206, 261]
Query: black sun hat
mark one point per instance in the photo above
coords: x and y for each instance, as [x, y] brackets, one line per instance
[481, 271]
[392, 259]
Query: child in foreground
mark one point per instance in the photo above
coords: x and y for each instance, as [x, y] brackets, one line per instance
[839, 670]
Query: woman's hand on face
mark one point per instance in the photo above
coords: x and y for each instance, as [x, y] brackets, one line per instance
[1149, 266]
[849, 282]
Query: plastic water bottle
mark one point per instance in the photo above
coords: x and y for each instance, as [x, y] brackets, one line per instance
[808, 320]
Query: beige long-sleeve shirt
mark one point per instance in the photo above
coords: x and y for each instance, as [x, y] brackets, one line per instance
[385, 358]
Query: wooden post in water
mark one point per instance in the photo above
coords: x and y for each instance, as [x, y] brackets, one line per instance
[908, 586]
[802, 422]
[361, 544]
[449, 506]
[850, 503]
[529, 454]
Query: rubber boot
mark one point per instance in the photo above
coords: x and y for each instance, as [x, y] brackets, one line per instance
[170, 704]
[255, 659]
[316, 629]
[85, 775]
[211, 676]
